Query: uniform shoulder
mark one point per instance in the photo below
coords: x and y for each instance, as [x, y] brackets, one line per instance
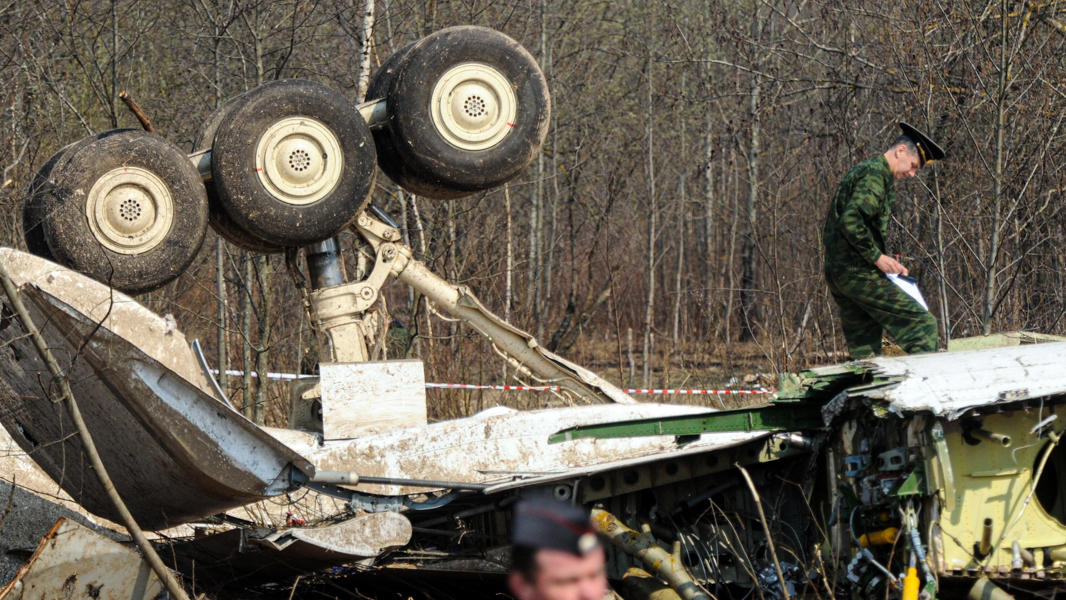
[875, 164]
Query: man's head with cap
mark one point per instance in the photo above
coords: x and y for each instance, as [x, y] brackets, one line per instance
[556, 555]
[911, 151]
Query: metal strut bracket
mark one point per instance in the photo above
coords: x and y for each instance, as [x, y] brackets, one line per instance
[339, 310]
[522, 350]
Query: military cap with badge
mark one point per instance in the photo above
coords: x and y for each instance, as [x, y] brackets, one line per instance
[547, 524]
[928, 151]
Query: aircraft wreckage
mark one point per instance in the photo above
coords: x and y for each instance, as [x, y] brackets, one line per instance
[928, 476]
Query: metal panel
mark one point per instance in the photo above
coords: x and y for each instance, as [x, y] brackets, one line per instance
[505, 446]
[361, 537]
[238, 556]
[1002, 340]
[770, 417]
[990, 481]
[74, 562]
[174, 451]
[952, 382]
[372, 397]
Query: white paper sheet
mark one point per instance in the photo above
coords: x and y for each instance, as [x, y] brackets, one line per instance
[910, 286]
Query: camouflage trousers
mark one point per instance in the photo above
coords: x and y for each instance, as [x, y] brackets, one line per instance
[868, 303]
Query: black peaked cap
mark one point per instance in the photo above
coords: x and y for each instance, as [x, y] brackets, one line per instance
[928, 151]
[545, 523]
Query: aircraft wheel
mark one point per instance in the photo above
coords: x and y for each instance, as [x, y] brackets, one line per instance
[126, 208]
[33, 209]
[468, 109]
[219, 220]
[390, 162]
[293, 163]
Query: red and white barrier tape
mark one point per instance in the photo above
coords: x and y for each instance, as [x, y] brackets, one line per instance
[278, 376]
[525, 388]
[699, 392]
[530, 388]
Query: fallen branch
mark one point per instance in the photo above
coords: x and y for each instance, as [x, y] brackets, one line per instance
[137, 112]
[3, 178]
[164, 574]
[294, 584]
[657, 561]
[766, 528]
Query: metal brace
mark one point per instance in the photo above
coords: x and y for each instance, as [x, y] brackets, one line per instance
[375, 504]
[339, 310]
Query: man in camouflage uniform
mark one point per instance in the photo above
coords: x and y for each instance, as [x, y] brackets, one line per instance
[856, 260]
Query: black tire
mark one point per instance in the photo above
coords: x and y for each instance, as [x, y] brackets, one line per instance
[217, 217]
[166, 246]
[205, 136]
[230, 231]
[262, 212]
[389, 161]
[426, 153]
[33, 211]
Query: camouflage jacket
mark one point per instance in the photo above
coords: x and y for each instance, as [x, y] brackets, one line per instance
[857, 223]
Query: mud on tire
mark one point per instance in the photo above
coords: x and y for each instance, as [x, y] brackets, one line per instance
[33, 211]
[126, 208]
[390, 162]
[293, 163]
[468, 110]
[217, 217]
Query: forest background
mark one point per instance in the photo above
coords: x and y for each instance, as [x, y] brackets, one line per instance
[669, 233]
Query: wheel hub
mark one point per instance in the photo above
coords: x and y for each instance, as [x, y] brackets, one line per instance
[474, 107]
[299, 160]
[130, 210]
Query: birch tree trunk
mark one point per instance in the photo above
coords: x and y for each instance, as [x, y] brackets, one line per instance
[679, 233]
[221, 292]
[220, 242]
[747, 280]
[534, 227]
[364, 50]
[263, 278]
[262, 357]
[997, 195]
[114, 66]
[945, 316]
[537, 235]
[246, 335]
[420, 236]
[552, 230]
[509, 275]
[730, 270]
[408, 239]
[649, 312]
[453, 264]
[710, 247]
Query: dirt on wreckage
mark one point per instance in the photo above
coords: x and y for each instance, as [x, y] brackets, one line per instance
[942, 447]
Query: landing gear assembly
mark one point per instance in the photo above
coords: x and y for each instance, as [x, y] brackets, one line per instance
[292, 163]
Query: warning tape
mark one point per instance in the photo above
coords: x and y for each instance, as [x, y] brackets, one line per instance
[523, 388]
[278, 376]
[700, 392]
[533, 388]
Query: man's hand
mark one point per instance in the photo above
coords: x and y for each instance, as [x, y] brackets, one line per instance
[887, 264]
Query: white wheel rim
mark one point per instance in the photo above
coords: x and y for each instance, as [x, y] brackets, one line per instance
[130, 210]
[299, 160]
[473, 106]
